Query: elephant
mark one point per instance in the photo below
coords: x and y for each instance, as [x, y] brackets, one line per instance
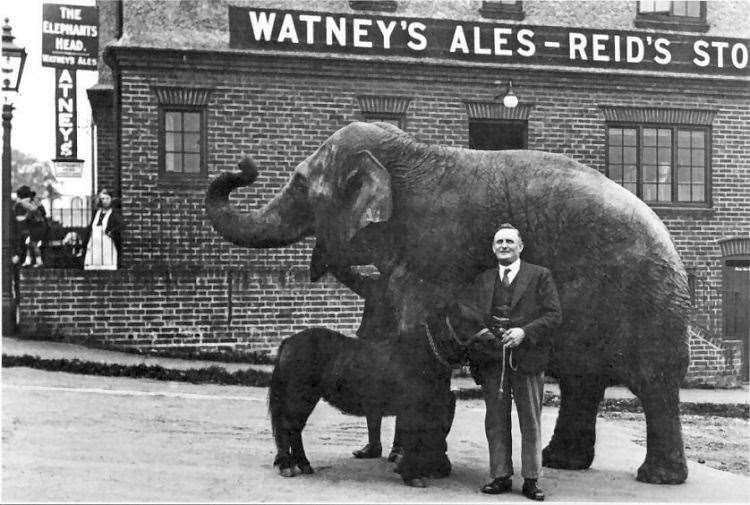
[425, 216]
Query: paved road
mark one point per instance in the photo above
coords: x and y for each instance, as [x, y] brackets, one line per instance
[72, 438]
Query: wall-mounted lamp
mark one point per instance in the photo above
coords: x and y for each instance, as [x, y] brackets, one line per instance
[510, 100]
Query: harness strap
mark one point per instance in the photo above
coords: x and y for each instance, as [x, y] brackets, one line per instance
[435, 351]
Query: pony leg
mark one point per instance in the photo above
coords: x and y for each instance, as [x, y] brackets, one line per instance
[283, 458]
[299, 458]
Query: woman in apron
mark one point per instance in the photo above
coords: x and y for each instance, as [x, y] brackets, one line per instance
[103, 245]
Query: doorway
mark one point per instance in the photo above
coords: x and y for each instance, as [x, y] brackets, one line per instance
[736, 306]
[493, 135]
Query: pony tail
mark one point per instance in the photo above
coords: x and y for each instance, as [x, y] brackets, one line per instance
[276, 391]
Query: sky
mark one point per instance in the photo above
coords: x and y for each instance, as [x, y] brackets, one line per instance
[33, 125]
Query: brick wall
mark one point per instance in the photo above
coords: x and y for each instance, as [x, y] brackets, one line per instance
[280, 110]
[708, 361]
[174, 307]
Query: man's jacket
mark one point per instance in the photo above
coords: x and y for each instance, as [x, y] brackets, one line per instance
[535, 307]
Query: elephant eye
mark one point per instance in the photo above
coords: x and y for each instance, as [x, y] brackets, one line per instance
[299, 182]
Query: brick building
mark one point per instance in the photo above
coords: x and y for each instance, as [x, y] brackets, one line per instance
[653, 94]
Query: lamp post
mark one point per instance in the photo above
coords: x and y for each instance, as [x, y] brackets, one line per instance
[11, 69]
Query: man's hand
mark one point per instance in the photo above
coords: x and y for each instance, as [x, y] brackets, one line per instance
[513, 337]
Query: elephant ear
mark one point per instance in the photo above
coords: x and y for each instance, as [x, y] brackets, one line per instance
[366, 194]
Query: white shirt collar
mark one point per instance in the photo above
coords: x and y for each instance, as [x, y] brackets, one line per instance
[514, 267]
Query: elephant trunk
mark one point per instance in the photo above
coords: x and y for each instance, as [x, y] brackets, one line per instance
[284, 220]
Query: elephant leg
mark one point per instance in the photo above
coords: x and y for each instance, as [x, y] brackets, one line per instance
[413, 428]
[572, 444]
[438, 462]
[665, 454]
[397, 451]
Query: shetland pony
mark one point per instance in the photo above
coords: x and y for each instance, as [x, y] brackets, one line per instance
[408, 377]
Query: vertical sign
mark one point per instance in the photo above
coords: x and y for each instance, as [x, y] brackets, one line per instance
[70, 42]
[66, 138]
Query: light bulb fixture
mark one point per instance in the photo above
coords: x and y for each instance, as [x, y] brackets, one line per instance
[510, 100]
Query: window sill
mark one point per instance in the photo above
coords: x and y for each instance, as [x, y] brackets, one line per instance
[373, 5]
[676, 211]
[683, 25]
[500, 12]
[183, 181]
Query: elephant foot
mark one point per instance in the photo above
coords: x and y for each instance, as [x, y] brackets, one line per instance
[418, 482]
[661, 472]
[396, 455]
[567, 459]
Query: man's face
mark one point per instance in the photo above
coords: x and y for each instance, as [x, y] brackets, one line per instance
[507, 246]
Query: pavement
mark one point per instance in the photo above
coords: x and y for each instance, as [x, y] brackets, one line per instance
[44, 349]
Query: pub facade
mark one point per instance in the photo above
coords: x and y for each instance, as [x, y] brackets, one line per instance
[654, 94]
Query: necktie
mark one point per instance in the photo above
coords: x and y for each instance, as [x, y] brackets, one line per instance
[101, 218]
[506, 278]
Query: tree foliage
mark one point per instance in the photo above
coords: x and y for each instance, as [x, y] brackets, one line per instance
[36, 174]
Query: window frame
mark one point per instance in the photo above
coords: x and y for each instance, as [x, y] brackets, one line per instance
[203, 133]
[380, 116]
[673, 127]
[670, 21]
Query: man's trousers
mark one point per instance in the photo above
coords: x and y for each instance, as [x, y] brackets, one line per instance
[527, 391]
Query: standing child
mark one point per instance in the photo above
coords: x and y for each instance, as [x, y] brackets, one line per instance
[31, 228]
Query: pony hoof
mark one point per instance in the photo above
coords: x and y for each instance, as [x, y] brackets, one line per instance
[306, 469]
[418, 482]
[286, 472]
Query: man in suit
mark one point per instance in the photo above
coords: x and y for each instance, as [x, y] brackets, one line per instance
[521, 309]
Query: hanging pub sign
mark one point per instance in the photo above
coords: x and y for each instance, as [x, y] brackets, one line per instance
[66, 138]
[550, 46]
[70, 36]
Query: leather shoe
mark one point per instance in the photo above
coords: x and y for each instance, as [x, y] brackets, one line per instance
[497, 486]
[531, 491]
[368, 451]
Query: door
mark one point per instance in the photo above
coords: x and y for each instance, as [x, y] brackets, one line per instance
[736, 306]
[492, 135]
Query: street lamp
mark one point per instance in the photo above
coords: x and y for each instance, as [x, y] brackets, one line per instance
[11, 69]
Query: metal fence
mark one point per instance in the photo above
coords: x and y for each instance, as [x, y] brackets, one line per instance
[72, 217]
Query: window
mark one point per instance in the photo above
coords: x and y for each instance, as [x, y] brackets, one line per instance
[394, 119]
[390, 109]
[660, 164]
[183, 133]
[493, 135]
[672, 14]
[504, 9]
[183, 141]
